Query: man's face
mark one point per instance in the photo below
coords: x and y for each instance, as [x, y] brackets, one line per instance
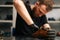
[40, 10]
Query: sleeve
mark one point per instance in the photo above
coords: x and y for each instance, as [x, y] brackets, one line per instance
[44, 19]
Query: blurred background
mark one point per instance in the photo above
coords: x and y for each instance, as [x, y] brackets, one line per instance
[8, 17]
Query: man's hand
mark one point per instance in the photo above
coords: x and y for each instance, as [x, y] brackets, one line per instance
[34, 26]
[42, 31]
[46, 26]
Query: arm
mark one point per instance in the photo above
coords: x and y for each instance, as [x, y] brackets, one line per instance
[21, 9]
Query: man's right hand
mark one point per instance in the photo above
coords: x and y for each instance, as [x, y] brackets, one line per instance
[34, 26]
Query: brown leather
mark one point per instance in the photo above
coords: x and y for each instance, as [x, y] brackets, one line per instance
[40, 32]
[43, 33]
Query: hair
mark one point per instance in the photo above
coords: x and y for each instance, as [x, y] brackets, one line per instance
[48, 3]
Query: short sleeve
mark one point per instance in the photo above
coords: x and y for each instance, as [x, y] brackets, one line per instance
[44, 19]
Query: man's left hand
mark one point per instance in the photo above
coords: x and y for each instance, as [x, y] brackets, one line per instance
[46, 26]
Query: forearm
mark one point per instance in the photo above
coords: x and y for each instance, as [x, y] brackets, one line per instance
[21, 9]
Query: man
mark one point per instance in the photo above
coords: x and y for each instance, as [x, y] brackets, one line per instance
[31, 18]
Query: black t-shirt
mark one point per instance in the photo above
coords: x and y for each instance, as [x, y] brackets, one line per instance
[22, 29]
